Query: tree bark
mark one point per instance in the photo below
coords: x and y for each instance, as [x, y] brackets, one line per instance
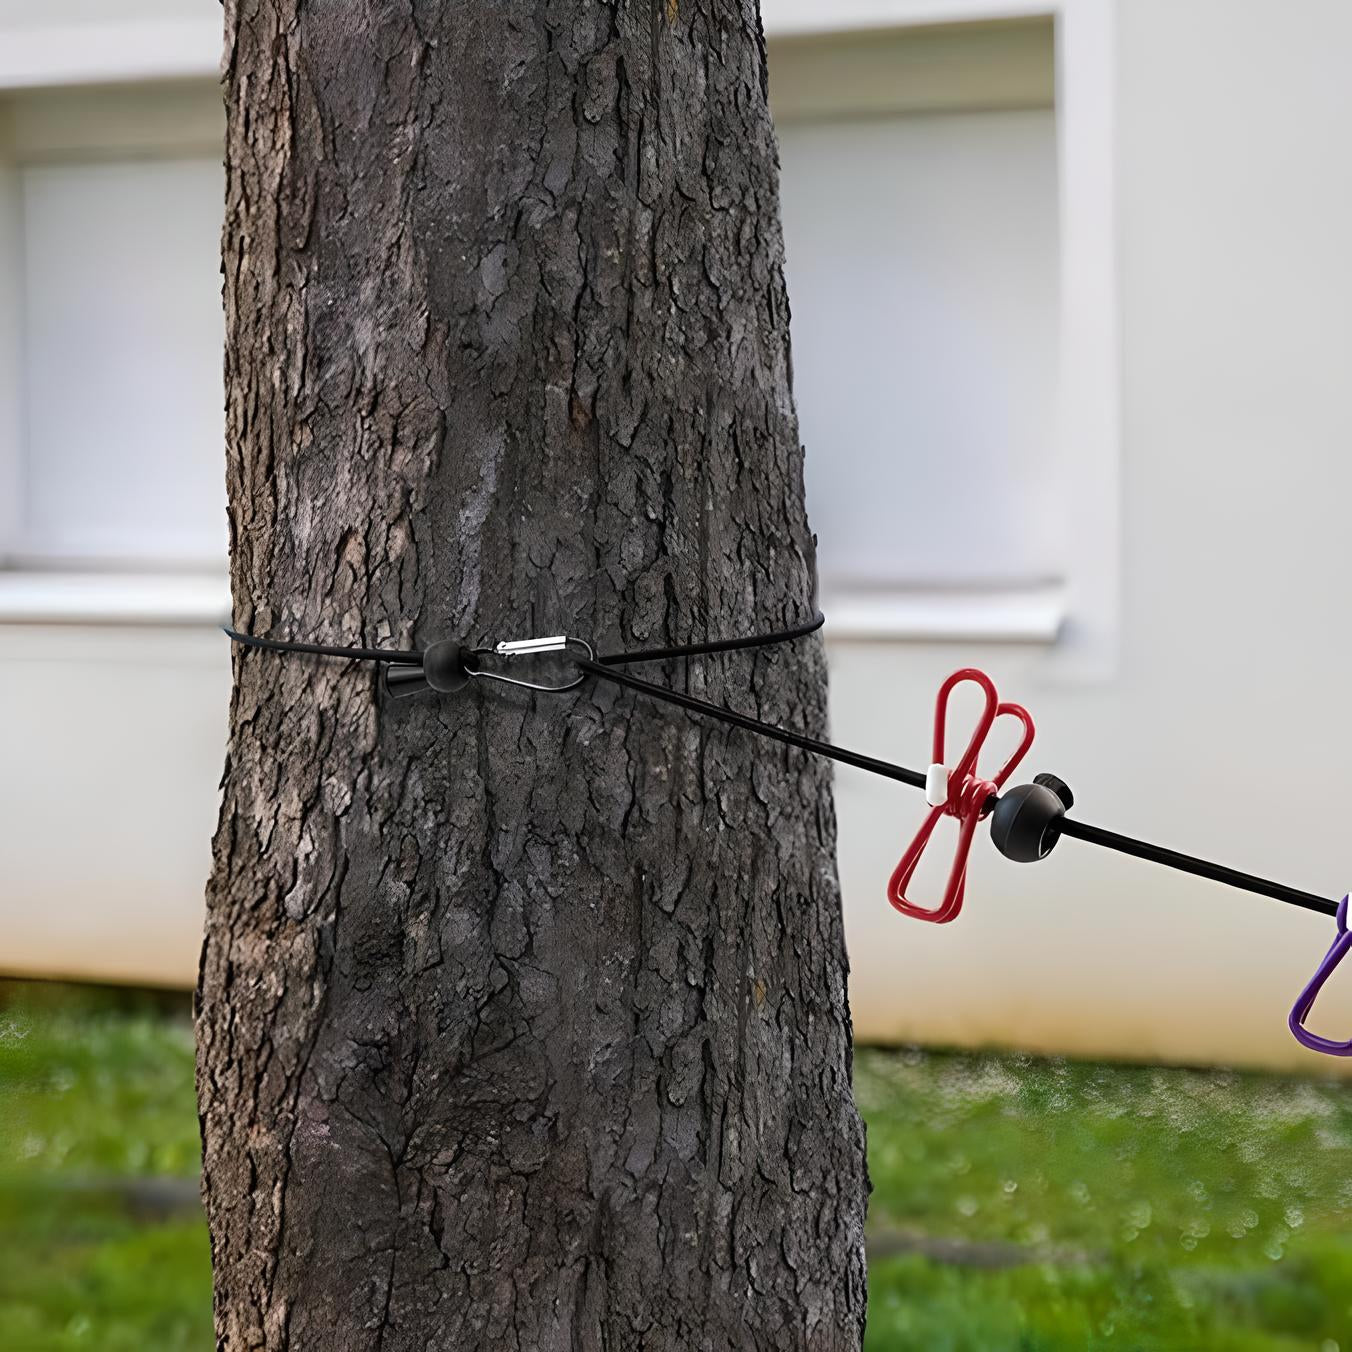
[522, 1018]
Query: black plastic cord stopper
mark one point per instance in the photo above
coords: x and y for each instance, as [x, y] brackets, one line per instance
[1025, 824]
[442, 669]
[1058, 786]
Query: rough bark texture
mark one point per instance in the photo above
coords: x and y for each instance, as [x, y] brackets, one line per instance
[522, 1019]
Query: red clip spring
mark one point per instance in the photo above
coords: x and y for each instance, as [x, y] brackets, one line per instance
[957, 793]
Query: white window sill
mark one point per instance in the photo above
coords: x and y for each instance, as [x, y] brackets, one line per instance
[795, 18]
[933, 615]
[944, 615]
[114, 598]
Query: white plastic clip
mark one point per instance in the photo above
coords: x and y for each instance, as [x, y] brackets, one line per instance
[936, 785]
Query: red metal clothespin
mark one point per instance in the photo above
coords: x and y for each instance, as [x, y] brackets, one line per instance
[957, 792]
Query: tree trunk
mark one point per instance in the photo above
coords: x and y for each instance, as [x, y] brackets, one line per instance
[522, 1018]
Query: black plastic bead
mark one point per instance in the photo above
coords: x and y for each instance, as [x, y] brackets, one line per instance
[1024, 824]
[444, 667]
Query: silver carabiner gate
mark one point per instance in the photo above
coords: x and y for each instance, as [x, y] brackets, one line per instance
[531, 647]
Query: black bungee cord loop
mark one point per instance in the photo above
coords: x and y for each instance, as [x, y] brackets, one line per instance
[1026, 821]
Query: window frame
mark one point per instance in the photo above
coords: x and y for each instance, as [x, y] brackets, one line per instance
[42, 125]
[1080, 628]
[938, 82]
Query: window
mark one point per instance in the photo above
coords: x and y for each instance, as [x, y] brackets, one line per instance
[920, 205]
[111, 444]
[122, 338]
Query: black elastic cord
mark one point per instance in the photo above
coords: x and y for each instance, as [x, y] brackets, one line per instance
[399, 656]
[723, 645]
[604, 668]
[1203, 868]
[1067, 826]
[407, 657]
[804, 743]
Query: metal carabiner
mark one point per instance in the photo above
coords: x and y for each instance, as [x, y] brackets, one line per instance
[530, 647]
[957, 792]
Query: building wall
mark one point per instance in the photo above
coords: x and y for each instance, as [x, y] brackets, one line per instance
[113, 744]
[1211, 720]
[1224, 729]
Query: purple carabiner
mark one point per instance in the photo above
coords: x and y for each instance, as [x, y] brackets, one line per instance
[1300, 1011]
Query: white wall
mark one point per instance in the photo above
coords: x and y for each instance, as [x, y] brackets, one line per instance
[30, 14]
[46, 42]
[1234, 284]
[113, 742]
[1225, 730]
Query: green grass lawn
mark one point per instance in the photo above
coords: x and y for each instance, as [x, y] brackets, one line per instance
[1018, 1203]
[96, 1104]
[1105, 1206]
